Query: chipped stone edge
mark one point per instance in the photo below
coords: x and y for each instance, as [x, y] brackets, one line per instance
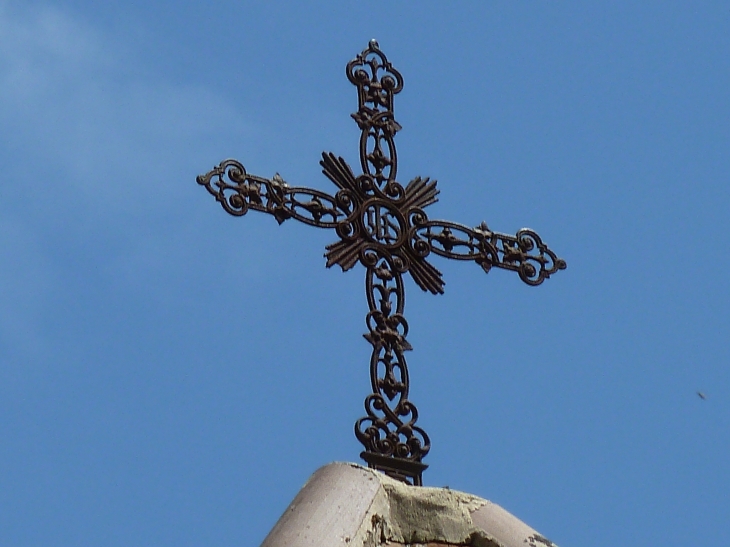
[407, 515]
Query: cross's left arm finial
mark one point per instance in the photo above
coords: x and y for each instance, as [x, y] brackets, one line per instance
[237, 192]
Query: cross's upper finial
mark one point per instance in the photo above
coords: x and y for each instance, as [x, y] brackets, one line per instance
[383, 226]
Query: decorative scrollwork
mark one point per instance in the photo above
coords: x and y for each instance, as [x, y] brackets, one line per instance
[364, 71]
[488, 249]
[381, 221]
[524, 253]
[392, 441]
[377, 83]
[237, 192]
[383, 226]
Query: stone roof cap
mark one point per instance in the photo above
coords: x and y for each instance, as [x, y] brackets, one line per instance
[347, 505]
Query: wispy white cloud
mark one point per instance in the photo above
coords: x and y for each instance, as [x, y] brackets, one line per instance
[39, 48]
[89, 134]
[83, 101]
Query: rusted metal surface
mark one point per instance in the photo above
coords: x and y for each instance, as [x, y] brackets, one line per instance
[383, 225]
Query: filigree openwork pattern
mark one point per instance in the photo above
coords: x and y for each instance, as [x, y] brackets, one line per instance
[383, 226]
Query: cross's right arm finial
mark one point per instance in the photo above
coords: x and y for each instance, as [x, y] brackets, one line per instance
[524, 253]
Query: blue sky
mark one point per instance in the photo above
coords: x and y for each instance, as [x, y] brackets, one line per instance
[171, 375]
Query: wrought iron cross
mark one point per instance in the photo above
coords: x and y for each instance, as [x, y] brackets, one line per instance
[383, 226]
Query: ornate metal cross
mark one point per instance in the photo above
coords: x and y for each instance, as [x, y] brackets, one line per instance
[383, 226]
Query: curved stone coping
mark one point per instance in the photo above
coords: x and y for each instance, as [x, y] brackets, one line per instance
[347, 505]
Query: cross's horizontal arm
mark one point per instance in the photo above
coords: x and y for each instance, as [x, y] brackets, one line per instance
[237, 192]
[524, 253]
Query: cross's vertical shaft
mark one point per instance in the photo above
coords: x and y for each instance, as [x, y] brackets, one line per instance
[392, 441]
